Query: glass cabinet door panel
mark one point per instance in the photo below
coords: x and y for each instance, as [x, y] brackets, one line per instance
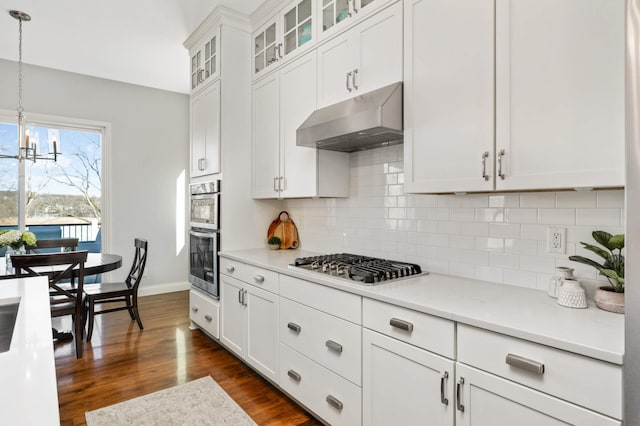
[290, 20]
[270, 55]
[259, 62]
[290, 42]
[270, 35]
[304, 10]
[365, 3]
[304, 33]
[328, 13]
[342, 10]
[259, 43]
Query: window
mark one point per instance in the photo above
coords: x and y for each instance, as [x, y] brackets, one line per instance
[54, 199]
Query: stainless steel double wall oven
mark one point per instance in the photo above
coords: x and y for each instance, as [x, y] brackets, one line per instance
[204, 237]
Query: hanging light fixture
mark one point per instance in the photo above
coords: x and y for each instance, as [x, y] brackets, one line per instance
[27, 147]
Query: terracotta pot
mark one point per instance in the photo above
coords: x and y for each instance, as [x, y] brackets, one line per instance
[609, 300]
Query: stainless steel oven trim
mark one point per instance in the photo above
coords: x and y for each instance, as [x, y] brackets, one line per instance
[212, 289]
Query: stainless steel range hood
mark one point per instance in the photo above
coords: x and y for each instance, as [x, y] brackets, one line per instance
[371, 120]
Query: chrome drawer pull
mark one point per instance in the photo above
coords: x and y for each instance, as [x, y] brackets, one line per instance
[335, 402]
[334, 346]
[194, 309]
[525, 363]
[295, 327]
[500, 172]
[444, 377]
[208, 317]
[295, 376]
[485, 176]
[230, 269]
[401, 324]
[259, 278]
[459, 406]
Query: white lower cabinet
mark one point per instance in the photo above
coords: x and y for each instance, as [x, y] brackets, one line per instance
[250, 324]
[488, 400]
[404, 385]
[204, 313]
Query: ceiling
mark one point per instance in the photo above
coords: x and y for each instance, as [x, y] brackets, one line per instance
[134, 41]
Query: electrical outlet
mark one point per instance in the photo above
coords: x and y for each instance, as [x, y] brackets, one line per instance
[557, 240]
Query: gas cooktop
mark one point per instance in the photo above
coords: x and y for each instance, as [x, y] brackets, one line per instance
[363, 269]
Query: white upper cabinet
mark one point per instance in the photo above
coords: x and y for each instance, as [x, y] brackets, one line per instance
[339, 14]
[286, 34]
[558, 95]
[205, 131]
[448, 95]
[366, 57]
[281, 102]
[204, 61]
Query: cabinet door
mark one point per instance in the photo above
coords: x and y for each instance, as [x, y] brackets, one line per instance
[262, 331]
[377, 44]
[448, 95]
[267, 48]
[298, 165]
[233, 321]
[335, 70]
[487, 400]
[205, 131]
[560, 93]
[405, 385]
[266, 137]
[298, 27]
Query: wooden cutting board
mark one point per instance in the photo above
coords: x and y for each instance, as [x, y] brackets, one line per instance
[285, 229]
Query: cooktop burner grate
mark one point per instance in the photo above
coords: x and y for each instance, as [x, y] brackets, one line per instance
[368, 270]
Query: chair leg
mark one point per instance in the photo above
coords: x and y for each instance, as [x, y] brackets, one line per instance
[90, 309]
[137, 311]
[130, 307]
[78, 335]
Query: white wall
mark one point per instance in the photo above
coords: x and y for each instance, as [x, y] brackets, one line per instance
[149, 150]
[494, 237]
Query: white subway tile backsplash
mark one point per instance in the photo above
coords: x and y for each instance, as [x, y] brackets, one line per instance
[598, 217]
[557, 216]
[576, 199]
[495, 237]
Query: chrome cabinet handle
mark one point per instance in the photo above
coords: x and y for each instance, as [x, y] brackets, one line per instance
[202, 163]
[459, 406]
[500, 155]
[279, 47]
[485, 176]
[335, 402]
[230, 269]
[240, 297]
[353, 79]
[282, 183]
[348, 80]
[525, 363]
[444, 377]
[208, 318]
[200, 78]
[259, 278]
[294, 327]
[334, 346]
[349, 8]
[295, 376]
[244, 297]
[275, 184]
[401, 324]
[194, 308]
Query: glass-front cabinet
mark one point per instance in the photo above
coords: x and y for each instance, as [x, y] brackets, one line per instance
[283, 36]
[340, 13]
[204, 62]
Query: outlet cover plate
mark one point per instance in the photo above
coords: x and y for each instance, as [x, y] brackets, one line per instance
[557, 240]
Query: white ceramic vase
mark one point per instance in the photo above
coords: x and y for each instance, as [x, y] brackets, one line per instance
[562, 273]
[571, 295]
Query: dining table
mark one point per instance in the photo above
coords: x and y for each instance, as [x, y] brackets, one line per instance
[97, 263]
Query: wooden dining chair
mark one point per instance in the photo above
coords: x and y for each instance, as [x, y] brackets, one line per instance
[63, 301]
[47, 246]
[118, 296]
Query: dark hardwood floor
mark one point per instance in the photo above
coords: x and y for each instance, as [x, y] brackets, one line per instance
[122, 362]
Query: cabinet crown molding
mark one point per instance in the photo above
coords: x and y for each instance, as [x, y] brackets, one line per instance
[220, 16]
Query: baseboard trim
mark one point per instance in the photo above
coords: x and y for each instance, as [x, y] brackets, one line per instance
[163, 288]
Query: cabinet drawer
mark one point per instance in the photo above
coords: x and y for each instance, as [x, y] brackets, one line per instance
[585, 381]
[426, 331]
[205, 312]
[326, 299]
[262, 278]
[233, 268]
[328, 340]
[336, 400]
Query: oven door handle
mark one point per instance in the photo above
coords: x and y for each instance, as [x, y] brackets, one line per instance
[203, 234]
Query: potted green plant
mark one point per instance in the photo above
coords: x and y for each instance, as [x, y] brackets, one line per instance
[274, 243]
[608, 298]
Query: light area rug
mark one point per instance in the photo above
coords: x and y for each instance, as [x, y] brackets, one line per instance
[199, 402]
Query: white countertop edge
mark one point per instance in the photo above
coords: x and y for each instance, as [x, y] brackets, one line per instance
[28, 385]
[503, 310]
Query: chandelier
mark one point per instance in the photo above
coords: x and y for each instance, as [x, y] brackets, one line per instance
[27, 147]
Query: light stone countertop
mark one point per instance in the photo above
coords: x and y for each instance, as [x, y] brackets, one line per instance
[28, 387]
[515, 311]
